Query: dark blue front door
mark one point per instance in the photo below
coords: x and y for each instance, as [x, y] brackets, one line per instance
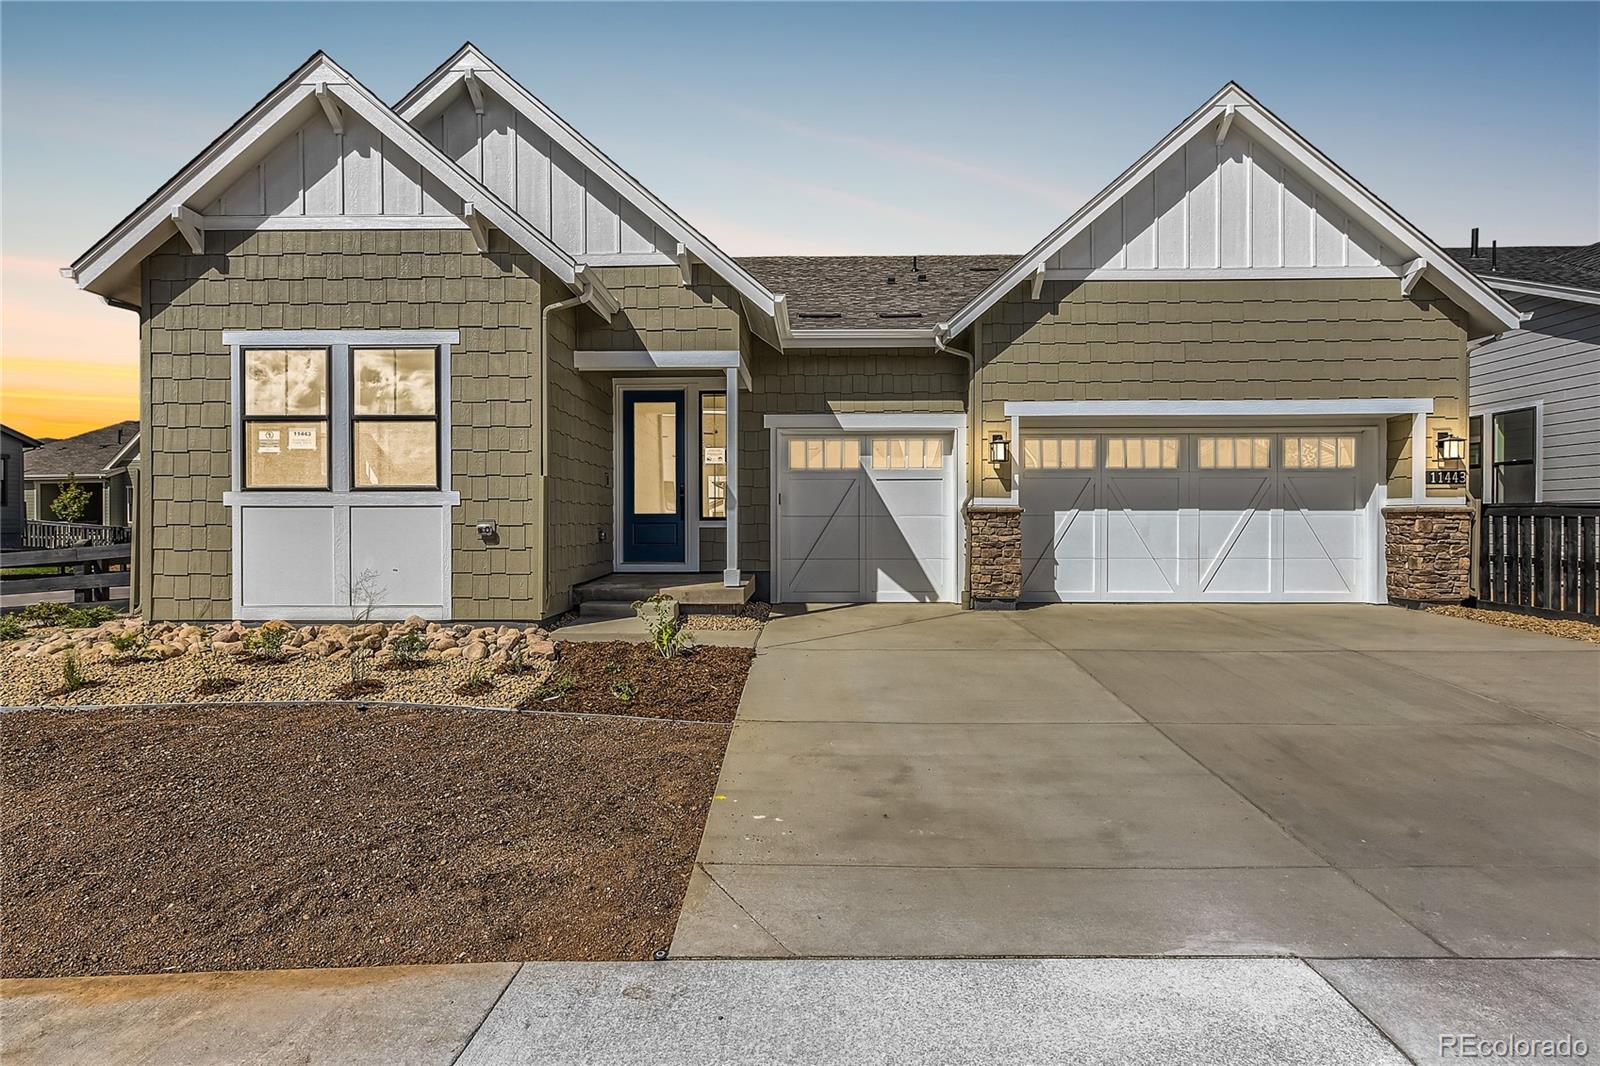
[652, 477]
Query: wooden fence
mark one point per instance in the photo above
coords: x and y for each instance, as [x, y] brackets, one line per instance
[89, 571]
[1541, 559]
[72, 534]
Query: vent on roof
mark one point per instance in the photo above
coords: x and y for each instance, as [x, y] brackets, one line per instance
[899, 314]
[983, 269]
[818, 314]
[889, 280]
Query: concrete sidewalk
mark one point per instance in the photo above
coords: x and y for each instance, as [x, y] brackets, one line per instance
[816, 1012]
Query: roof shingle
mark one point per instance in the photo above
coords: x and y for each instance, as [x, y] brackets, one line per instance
[1574, 266]
[855, 291]
[85, 455]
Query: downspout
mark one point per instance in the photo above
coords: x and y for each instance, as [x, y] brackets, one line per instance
[544, 376]
[975, 475]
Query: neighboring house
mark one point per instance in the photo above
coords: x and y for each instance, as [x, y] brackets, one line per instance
[1536, 390]
[13, 513]
[96, 460]
[450, 357]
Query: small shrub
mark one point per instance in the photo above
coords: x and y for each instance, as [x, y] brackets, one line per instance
[554, 687]
[660, 616]
[406, 648]
[361, 680]
[214, 676]
[624, 690]
[517, 662]
[48, 613]
[132, 643]
[612, 668]
[11, 629]
[87, 617]
[73, 502]
[73, 675]
[477, 680]
[269, 642]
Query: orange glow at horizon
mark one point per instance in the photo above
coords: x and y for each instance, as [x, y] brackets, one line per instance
[68, 363]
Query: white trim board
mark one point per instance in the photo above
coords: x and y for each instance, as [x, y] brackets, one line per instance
[1536, 288]
[1216, 408]
[1218, 273]
[1491, 313]
[680, 362]
[1487, 412]
[868, 421]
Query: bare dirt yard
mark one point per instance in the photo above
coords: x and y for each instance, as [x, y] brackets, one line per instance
[236, 836]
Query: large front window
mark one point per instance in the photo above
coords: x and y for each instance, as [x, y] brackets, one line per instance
[395, 418]
[286, 418]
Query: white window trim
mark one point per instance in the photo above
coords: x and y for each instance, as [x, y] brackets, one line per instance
[339, 496]
[1487, 413]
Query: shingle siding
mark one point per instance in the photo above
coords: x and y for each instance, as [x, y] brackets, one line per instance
[1221, 340]
[660, 313]
[430, 279]
[1555, 357]
[579, 491]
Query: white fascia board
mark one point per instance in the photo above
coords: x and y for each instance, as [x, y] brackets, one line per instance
[453, 70]
[121, 458]
[869, 420]
[1456, 282]
[1217, 273]
[1536, 288]
[1216, 408]
[861, 338]
[646, 360]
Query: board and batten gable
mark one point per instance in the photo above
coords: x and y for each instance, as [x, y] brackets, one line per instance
[340, 280]
[518, 161]
[1552, 361]
[1194, 339]
[314, 172]
[1230, 206]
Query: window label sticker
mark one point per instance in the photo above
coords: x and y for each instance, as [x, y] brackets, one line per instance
[716, 455]
[302, 440]
[266, 442]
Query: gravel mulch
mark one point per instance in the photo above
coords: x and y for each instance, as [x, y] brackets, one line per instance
[231, 837]
[702, 684]
[1571, 628]
[117, 679]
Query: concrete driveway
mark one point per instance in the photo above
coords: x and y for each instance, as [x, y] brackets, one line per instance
[1328, 782]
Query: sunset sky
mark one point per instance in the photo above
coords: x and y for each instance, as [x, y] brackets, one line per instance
[805, 128]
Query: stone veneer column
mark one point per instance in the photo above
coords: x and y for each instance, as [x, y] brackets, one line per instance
[1429, 551]
[994, 555]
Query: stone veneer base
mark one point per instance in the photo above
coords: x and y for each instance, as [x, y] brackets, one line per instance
[994, 555]
[1429, 553]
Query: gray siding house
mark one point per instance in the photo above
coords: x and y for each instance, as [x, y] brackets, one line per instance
[1535, 412]
[13, 514]
[447, 357]
[96, 460]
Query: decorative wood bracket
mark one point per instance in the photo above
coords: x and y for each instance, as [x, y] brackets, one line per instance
[474, 89]
[477, 224]
[1413, 274]
[685, 260]
[192, 227]
[1226, 124]
[330, 107]
[1038, 281]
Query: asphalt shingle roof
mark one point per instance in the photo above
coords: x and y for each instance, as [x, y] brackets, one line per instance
[85, 455]
[1575, 266]
[854, 291]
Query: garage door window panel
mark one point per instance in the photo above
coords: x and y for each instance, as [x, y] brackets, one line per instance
[824, 453]
[285, 418]
[1234, 453]
[1142, 453]
[1058, 453]
[1319, 453]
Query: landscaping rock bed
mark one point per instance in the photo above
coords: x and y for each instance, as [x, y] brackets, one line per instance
[229, 837]
[1571, 628]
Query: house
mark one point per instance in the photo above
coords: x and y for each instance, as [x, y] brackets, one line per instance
[448, 357]
[13, 516]
[98, 461]
[1535, 413]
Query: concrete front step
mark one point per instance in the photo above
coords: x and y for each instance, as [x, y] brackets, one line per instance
[694, 590]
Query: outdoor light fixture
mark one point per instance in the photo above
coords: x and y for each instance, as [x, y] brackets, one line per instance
[997, 449]
[1449, 447]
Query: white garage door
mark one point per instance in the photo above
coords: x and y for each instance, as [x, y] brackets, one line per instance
[865, 516]
[1235, 515]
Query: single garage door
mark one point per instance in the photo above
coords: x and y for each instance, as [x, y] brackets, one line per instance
[1232, 515]
[865, 516]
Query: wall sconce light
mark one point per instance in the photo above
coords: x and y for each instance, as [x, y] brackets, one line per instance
[997, 449]
[1449, 447]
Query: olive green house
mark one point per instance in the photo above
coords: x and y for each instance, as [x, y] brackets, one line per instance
[446, 357]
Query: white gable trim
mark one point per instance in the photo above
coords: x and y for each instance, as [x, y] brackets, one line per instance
[1491, 314]
[324, 80]
[468, 59]
[1536, 288]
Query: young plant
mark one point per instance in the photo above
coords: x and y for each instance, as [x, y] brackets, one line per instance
[86, 617]
[477, 679]
[554, 687]
[269, 642]
[624, 690]
[131, 643]
[213, 675]
[660, 616]
[405, 649]
[73, 674]
[366, 591]
[11, 629]
[48, 613]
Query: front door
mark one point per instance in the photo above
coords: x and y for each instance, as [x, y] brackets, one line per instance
[653, 528]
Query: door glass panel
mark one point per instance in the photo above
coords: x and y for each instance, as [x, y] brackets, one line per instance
[655, 458]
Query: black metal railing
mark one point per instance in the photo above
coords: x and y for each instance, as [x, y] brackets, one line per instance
[1542, 558]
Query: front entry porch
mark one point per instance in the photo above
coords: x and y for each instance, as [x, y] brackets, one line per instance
[615, 594]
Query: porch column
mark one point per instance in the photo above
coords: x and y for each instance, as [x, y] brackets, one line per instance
[731, 577]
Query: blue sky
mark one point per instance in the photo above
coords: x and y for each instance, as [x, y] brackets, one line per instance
[821, 127]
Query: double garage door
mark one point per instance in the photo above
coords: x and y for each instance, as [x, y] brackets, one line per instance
[865, 516]
[1227, 515]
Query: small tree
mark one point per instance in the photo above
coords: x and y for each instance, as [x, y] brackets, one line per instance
[73, 502]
